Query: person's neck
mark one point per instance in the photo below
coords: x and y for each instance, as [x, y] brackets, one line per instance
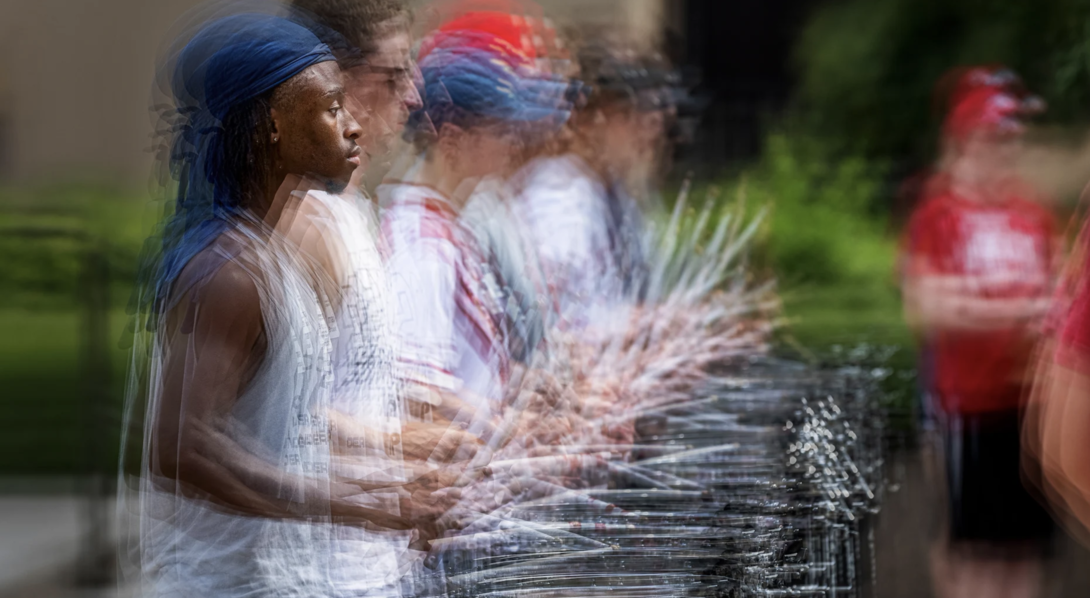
[602, 163]
[271, 206]
[436, 172]
[974, 189]
[358, 183]
[280, 196]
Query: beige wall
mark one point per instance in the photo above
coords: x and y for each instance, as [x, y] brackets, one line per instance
[639, 20]
[76, 75]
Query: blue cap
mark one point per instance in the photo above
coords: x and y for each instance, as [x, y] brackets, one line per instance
[482, 83]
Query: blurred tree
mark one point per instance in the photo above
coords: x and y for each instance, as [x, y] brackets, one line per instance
[868, 68]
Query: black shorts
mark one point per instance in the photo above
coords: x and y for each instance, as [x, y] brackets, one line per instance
[988, 499]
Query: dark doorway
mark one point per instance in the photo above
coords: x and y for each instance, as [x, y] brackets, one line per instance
[742, 52]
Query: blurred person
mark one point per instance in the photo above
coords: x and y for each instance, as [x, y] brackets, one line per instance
[458, 318]
[927, 182]
[1055, 426]
[340, 231]
[380, 74]
[229, 490]
[978, 267]
[657, 99]
[1059, 427]
[476, 107]
[951, 88]
[487, 213]
[250, 466]
[576, 204]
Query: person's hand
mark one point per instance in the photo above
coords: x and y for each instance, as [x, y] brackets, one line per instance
[1037, 308]
[423, 501]
[623, 432]
[350, 512]
[427, 498]
[1025, 312]
[438, 442]
[544, 429]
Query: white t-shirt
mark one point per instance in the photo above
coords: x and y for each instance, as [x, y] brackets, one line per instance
[562, 208]
[449, 318]
[365, 388]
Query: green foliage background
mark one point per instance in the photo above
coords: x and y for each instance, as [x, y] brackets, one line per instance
[868, 68]
[45, 232]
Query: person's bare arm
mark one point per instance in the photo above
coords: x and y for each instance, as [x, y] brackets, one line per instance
[1061, 421]
[196, 444]
[215, 342]
[952, 302]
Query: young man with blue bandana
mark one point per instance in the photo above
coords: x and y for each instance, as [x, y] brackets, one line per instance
[249, 468]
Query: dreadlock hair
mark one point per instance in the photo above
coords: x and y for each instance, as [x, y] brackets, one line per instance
[248, 154]
[361, 23]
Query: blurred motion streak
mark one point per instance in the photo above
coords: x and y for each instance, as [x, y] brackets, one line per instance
[544, 298]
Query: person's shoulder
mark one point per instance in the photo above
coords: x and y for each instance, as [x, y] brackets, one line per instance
[567, 173]
[434, 226]
[232, 298]
[930, 224]
[542, 167]
[421, 213]
[935, 207]
[221, 280]
[232, 283]
[415, 229]
[225, 251]
[1033, 204]
[316, 208]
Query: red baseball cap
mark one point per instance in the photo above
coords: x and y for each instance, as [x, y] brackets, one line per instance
[506, 35]
[984, 109]
[959, 83]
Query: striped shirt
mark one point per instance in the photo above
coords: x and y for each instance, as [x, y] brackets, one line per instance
[450, 319]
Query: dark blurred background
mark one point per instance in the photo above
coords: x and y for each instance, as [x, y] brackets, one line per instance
[816, 108]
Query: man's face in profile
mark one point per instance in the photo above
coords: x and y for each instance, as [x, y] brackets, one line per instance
[383, 92]
[316, 135]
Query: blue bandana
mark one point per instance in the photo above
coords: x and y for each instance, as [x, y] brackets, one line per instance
[238, 58]
[230, 62]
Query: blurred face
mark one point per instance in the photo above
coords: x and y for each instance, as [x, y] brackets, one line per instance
[651, 126]
[488, 149]
[986, 159]
[313, 133]
[481, 150]
[382, 92]
[623, 138]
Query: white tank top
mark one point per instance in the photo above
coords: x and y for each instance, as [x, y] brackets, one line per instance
[192, 548]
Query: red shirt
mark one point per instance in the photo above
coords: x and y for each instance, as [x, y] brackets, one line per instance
[1009, 246]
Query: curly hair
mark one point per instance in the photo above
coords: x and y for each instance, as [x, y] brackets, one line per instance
[360, 22]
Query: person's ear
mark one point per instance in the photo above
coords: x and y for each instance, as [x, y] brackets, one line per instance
[274, 134]
[451, 138]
